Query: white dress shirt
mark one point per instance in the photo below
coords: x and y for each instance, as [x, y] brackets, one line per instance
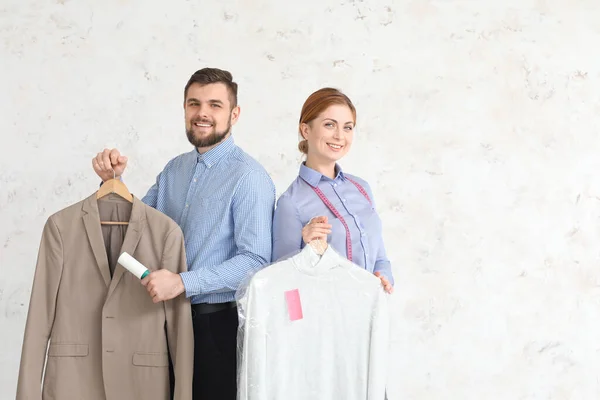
[337, 350]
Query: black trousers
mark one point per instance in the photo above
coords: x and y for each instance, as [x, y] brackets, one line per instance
[215, 355]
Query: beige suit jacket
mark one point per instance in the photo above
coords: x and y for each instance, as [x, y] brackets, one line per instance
[104, 337]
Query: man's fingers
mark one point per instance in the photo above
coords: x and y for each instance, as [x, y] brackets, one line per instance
[105, 163]
[114, 156]
[98, 161]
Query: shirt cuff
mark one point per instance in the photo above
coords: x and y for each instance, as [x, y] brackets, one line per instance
[385, 268]
[191, 283]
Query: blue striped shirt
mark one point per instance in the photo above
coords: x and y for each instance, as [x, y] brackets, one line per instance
[299, 203]
[223, 200]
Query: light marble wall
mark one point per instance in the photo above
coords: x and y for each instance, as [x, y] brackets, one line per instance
[478, 129]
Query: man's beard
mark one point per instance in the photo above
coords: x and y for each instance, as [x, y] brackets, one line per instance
[207, 141]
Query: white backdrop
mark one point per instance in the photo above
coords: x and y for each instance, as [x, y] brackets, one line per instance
[477, 129]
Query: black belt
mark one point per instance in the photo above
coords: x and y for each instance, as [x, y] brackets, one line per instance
[206, 308]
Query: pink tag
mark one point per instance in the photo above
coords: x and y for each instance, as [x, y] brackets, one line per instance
[292, 297]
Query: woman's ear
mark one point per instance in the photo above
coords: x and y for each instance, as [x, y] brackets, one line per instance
[304, 129]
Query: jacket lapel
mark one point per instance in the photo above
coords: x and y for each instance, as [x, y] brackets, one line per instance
[136, 226]
[91, 220]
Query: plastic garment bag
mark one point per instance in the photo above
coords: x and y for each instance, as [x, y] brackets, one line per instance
[312, 327]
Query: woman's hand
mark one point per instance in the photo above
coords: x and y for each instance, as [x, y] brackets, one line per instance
[317, 228]
[387, 286]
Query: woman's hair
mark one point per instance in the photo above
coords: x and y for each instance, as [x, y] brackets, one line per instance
[318, 102]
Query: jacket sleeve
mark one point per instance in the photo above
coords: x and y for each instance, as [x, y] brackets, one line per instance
[178, 313]
[40, 317]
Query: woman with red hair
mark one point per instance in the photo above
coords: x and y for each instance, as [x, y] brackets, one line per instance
[324, 202]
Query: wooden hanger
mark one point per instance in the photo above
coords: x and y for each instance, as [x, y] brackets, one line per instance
[116, 186]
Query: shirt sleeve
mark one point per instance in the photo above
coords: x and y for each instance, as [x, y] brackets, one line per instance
[382, 263]
[287, 229]
[252, 209]
[151, 197]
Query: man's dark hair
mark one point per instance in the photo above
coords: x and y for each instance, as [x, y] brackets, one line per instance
[207, 76]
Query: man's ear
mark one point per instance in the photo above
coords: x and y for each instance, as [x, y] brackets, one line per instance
[235, 114]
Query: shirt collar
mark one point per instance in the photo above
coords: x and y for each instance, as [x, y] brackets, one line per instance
[309, 262]
[313, 177]
[213, 156]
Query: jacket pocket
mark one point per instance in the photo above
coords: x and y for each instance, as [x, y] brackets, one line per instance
[68, 350]
[150, 359]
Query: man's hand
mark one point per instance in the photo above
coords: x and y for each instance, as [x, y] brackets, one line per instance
[387, 286]
[163, 285]
[109, 164]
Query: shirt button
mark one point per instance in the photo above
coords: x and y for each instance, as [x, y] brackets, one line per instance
[195, 180]
[335, 185]
[343, 200]
[187, 205]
